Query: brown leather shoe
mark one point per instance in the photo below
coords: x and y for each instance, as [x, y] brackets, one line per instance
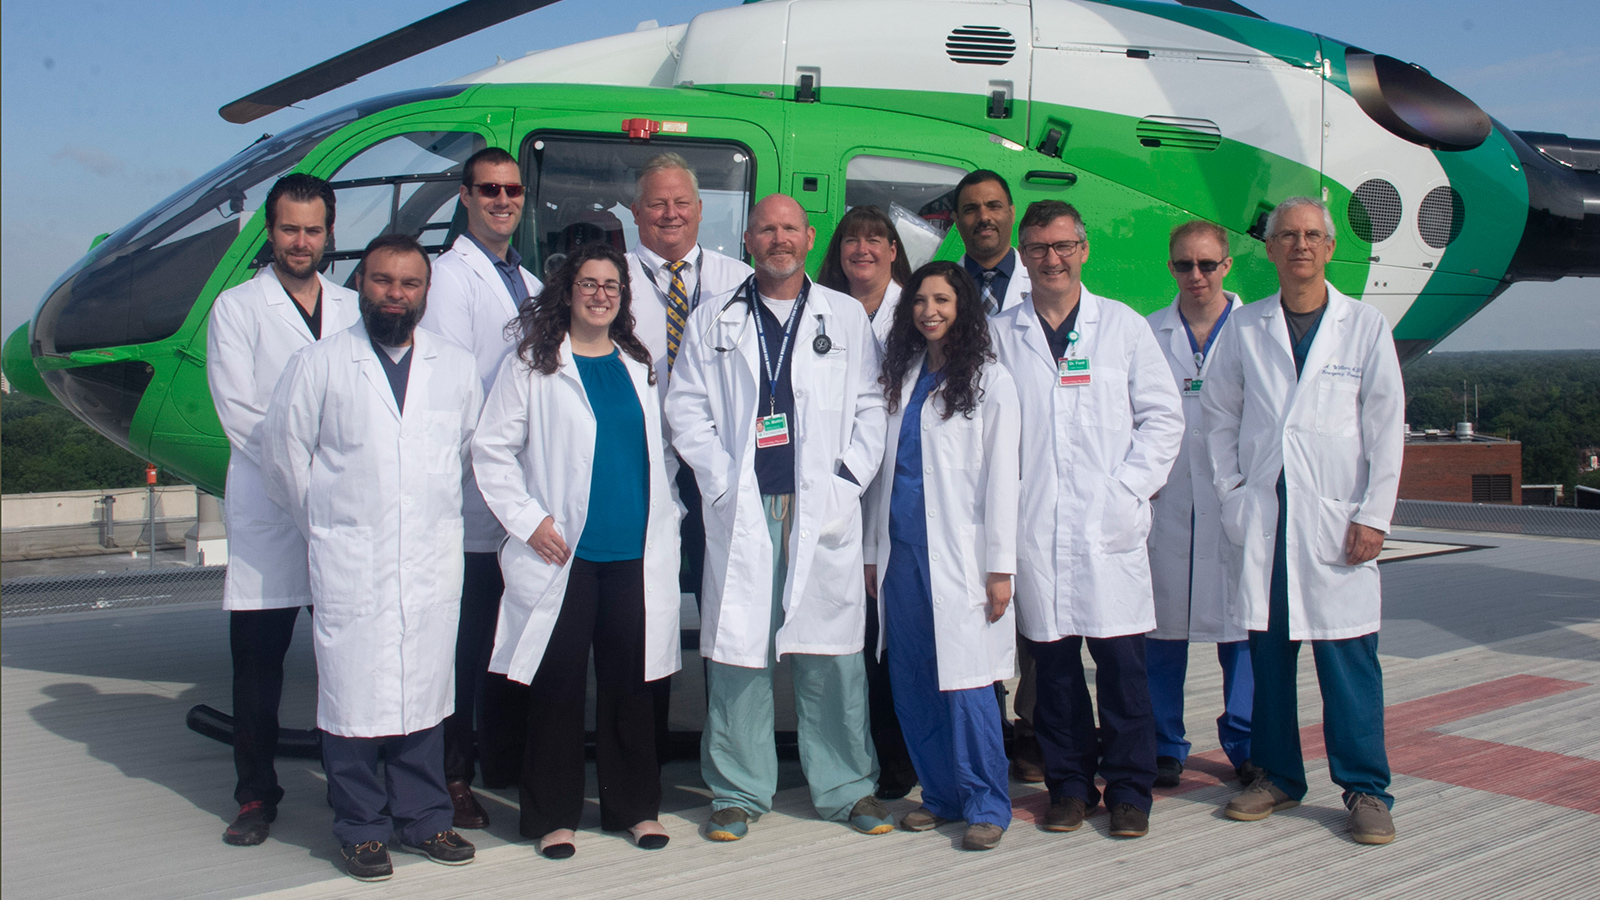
[982, 836]
[1370, 821]
[1261, 799]
[1066, 814]
[469, 813]
[1129, 821]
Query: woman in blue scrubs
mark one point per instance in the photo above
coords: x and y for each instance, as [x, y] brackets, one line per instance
[942, 529]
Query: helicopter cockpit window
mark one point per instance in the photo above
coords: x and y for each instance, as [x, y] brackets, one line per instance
[139, 284]
[406, 184]
[584, 187]
[919, 196]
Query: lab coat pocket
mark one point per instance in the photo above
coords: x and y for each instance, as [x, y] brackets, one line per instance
[1235, 514]
[341, 571]
[829, 373]
[1124, 518]
[1333, 523]
[842, 514]
[1337, 402]
[441, 440]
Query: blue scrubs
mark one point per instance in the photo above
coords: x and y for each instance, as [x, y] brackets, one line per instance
[953, 736]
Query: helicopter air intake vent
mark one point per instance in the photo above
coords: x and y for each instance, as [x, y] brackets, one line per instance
[981, 45]
[1441, 216]
[1375, 211]
[1179, 133]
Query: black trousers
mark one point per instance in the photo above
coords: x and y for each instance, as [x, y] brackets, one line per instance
[692, 534]
[896, 775]
[490, 720]
[408, 800]
[1124, 749]
[603, 609]
[259, 639]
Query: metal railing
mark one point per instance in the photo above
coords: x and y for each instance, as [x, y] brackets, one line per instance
[52, 594]
[1546, 521]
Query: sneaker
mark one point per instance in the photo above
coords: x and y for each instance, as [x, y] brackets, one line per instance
[870, 816]
[728, 824]
[1129, 821]
[1261, 799]
[982, 836]
[1168, 771]
[251, 826]
[1370, 821]
[446, 847]
[367, 862]
[1066, 814]
[922, 819]
[469, 813]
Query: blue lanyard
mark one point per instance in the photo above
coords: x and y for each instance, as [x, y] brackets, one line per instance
[761, 338]
[1200, 352]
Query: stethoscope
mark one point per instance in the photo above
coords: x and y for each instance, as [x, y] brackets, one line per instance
[820, 345]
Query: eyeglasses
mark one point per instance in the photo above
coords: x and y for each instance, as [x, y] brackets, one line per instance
[1290, 238]
[1185, 266]
[1062, 249]
[491, 190]
[590, 286]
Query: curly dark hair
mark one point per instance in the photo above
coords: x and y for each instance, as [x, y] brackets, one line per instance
[545, 320]
[966, 344]
[862, 221]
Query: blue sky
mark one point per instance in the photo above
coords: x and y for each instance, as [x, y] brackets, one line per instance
[107, 107]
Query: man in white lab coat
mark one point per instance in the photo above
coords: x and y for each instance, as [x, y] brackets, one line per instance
[1305, 420]
[774, 403]
[671, 276]
[478, 286]
[1101, 424]
[1188, 554]
[254, 329]
[366, 442]
[985, 218]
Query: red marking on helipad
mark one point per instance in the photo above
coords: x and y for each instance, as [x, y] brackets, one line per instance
[1416, 750]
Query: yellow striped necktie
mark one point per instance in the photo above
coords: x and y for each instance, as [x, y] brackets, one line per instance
[677, 310]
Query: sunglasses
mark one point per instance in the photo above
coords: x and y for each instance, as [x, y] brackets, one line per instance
[1185, 266]
[490, 189]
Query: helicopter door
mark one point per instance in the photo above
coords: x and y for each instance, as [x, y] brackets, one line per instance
[918, 194]
[583, 186]
[408, 184]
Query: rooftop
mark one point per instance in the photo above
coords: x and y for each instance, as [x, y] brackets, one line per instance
[1491, 653]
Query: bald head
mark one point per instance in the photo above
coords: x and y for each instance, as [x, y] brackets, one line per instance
[779, 237]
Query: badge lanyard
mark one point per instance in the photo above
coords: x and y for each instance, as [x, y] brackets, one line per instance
[772, 430]
[1191, 386]
[1072, 371]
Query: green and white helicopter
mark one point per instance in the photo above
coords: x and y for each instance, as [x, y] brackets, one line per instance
[1141, 114]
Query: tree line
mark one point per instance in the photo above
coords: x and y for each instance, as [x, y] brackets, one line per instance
[45, 448]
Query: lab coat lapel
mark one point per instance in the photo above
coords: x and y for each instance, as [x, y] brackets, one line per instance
[484, 268]
[1171, 331]
[366, 356]
[423, 353]
[1330, 333]
[1032, 336]
[284, 305]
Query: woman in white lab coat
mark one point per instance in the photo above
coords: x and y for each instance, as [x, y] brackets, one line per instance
[569, 457]
[866, 260]
[942, 525]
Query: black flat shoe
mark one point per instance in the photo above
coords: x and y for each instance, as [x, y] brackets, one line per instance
[650, 841]
[558, 851]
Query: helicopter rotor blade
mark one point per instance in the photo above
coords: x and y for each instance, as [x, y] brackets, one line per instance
[424, 34]
[1224, 6]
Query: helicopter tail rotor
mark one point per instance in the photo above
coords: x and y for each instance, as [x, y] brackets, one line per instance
[424, 34]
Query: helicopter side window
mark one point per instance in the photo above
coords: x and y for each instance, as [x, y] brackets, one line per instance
[583, 187]
[919, 196]
[405, 184]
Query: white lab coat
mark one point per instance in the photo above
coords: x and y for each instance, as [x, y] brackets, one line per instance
[378, 494]
[533, 453]
[650, 281]
[1016, 289]
[883, 319]
[1189, 608]
[711, 411]
[468, 304]
[1091, 457]
[254, 329]
[1337, 433]
[971, 487]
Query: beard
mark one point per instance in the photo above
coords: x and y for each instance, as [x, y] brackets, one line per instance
[281, 260]
[774, 269]
[391, 329]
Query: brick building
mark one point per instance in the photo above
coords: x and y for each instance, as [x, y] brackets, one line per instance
[1461, 467]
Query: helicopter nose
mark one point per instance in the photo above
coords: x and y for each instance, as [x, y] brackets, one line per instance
[1562, 235]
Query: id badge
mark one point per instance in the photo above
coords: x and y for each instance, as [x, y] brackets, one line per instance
[1073, 372]
[1191, 387]
[772, 431]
